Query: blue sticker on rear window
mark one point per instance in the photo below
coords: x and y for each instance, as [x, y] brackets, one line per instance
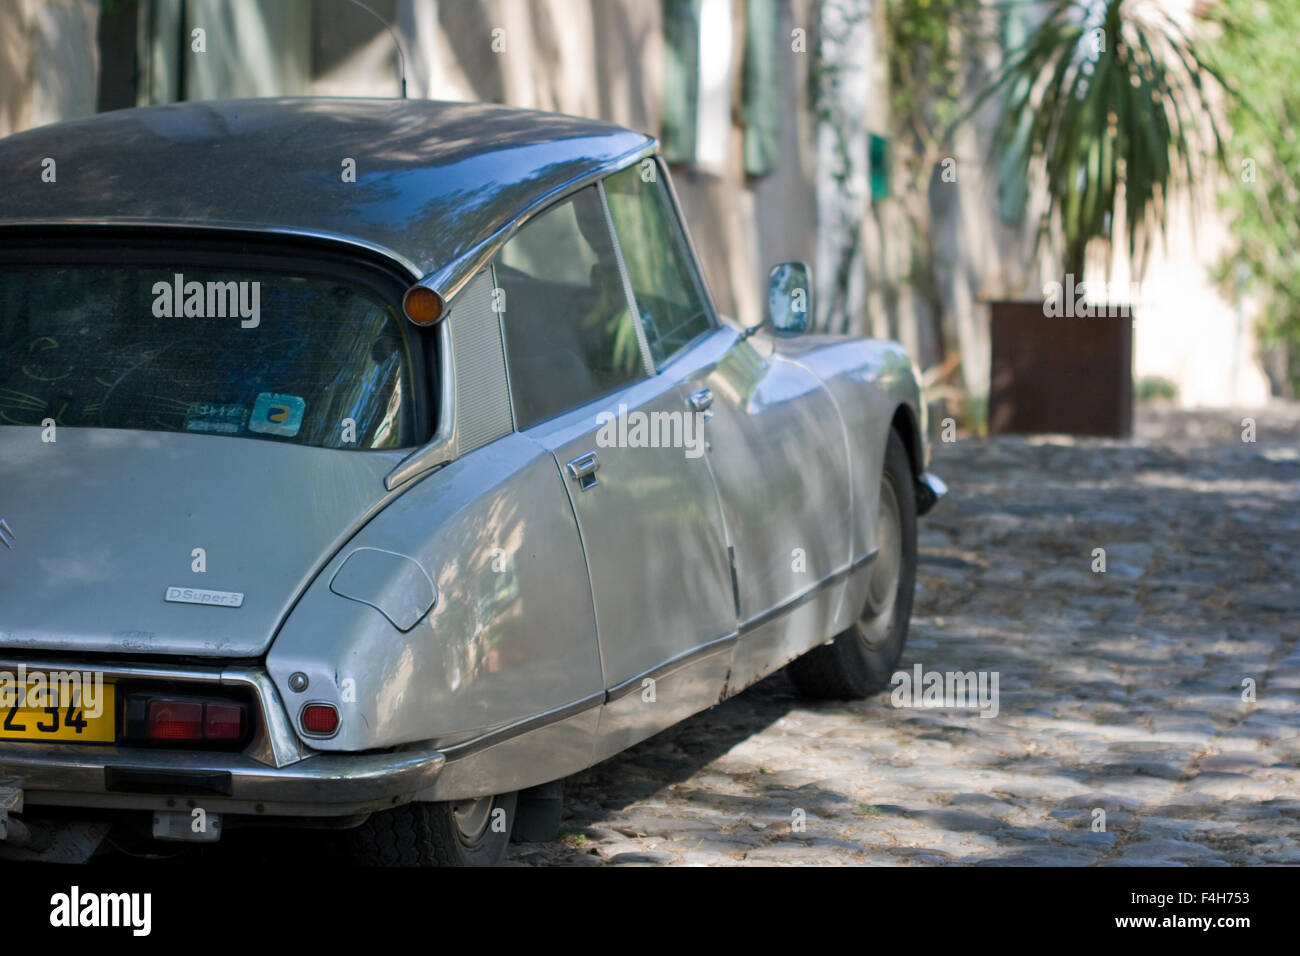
[222, 419]
[277, 414]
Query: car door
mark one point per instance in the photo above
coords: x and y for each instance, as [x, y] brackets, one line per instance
[626, 443]
[780, 460]
[776, 444]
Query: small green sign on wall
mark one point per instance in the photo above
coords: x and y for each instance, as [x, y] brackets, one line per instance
[879, 165]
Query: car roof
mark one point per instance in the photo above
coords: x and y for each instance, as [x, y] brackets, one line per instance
[437, 185]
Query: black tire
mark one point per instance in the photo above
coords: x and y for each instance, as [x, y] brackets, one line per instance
[436, 834]
[861, 659]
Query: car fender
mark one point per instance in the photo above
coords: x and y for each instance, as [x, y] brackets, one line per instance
[511, 633]
[871, 382]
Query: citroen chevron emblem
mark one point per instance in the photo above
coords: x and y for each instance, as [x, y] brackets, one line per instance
[7, 536]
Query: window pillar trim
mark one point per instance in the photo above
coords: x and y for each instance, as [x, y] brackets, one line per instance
[692, 254]
[643, 343]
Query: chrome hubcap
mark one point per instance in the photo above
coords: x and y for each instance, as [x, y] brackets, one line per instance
[472, 818]
[877, 616]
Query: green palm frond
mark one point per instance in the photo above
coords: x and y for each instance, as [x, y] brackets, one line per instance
[1120, 105]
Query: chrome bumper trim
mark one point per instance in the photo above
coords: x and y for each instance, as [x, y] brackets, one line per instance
[332, 783]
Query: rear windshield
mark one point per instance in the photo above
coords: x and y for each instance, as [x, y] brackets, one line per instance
[280, 355]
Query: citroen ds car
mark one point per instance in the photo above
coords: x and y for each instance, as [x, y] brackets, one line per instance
[376, 464]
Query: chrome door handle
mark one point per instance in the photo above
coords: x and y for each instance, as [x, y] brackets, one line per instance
[702, 400]
[583, 469]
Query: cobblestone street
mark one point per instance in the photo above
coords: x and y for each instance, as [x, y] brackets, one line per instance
[1120, 691]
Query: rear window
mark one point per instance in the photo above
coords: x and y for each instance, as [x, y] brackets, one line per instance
[275, 354]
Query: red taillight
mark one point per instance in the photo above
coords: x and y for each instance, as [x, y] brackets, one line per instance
[174, 720]
[224, 721]
[187, 720]
[320, 719]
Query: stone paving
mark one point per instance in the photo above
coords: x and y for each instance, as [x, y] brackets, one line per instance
[1147, 715]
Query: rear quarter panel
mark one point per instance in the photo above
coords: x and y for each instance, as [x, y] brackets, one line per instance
[512, 633]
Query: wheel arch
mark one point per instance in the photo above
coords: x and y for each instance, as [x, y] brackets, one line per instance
[905, 424]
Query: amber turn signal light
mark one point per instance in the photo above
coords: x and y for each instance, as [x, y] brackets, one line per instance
[422, 305]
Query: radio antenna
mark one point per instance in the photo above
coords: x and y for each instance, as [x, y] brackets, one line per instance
[401, 55]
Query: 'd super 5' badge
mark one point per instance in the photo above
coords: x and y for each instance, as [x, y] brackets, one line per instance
[277, 414]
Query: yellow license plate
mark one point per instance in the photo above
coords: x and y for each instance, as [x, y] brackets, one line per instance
[40, 714]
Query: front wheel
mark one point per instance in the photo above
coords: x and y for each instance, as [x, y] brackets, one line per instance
[459, 833]
[860, 660]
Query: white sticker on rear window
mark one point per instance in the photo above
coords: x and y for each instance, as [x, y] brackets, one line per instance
[277, 414]
[224, 419]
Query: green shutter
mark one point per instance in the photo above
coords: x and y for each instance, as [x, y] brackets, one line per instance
[761, 87]
[681, 79]
[1013, 191]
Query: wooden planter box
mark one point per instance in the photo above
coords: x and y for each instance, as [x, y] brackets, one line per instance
[1061, 374]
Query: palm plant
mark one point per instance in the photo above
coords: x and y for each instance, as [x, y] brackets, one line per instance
[1111, 100]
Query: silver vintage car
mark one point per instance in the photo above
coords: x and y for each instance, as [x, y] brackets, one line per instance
[380, 463]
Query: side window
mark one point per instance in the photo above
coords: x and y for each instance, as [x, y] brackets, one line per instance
[570, 337]
[667, 289]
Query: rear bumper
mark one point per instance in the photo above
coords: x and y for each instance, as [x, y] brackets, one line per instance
[123, 778]
[276, 775]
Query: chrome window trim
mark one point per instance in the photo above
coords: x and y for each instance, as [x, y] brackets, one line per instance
[441, 448]
[293, 253]
[533, 154]
[448, 280]
[692, 349]
[505, 352]
[582, 417]
[692, 252]
[482, 420]
[647, 366]
[227, 229]
[692, 266]
[643, 343]
[684, 351]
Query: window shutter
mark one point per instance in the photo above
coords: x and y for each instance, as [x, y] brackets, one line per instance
[1013, 191]
[681, 79]
[761, 87]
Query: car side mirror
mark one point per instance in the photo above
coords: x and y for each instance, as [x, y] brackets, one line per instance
[789, 297]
